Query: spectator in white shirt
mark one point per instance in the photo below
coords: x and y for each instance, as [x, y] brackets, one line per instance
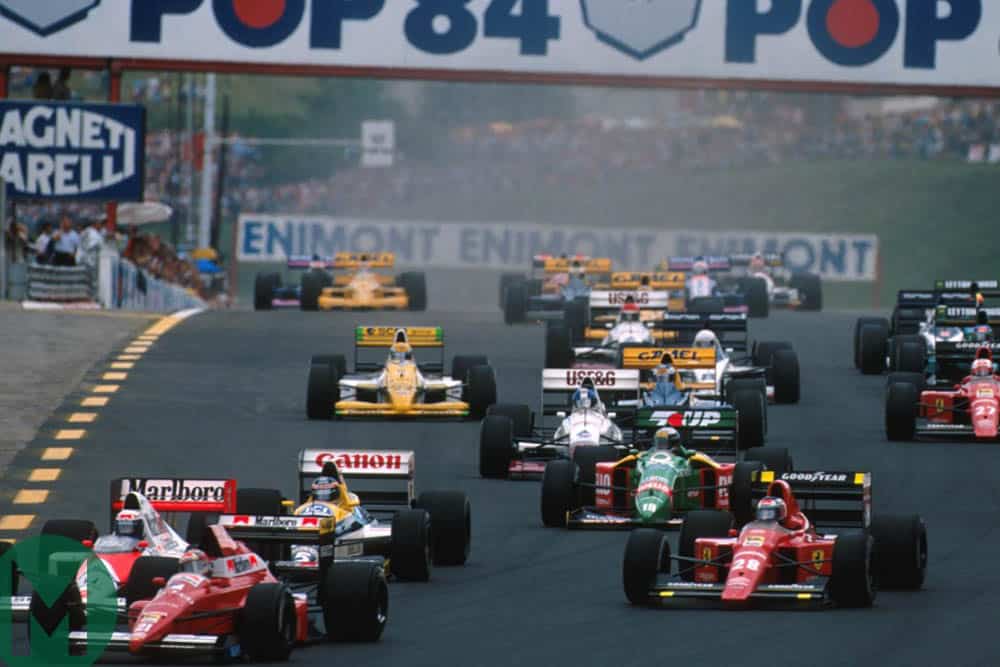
[41, 246]
[90, 244]
[67, 243]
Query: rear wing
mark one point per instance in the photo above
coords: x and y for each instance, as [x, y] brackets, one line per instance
[730, 328]
[709, 430]
[379, 478]
[965, 316]
[285, 530]
[659, 280]
[177, 495]
[589, 265]
[615, 299]
[612, 385]
[988, 288]
[828, 499]
[647, 357]
[771, 259]
[344, 260]
[371, 344]
[685, 264]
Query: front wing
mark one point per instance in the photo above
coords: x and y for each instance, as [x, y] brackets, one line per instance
[459, 409]
[668, 588]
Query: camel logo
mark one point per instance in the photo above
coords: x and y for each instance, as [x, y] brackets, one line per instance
[48, 17]
[641, 28]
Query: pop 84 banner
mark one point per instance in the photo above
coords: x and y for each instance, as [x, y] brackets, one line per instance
[52, 150]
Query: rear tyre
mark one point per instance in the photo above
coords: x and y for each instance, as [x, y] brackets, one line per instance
[77, 530]
[313, 282]
[267, 623]
[515, 305]
[647, 553]
[852, 583]
[899, 557]
[338, 361]
[263, 502]
[13, 579]
[777, 459]
[810, 288]
[411, 547]
[586, 459]
[323, 390]
[763, 352]
[910, 354]
[918, 380]
[755, 293]
[264, 285]
[451, 525]
[415, 286]
[559, 492]
[741, 502]
[576, 315]
[874, 344]
[481, 391]
[878, 322]
[461, 364]
[496, 446]
[507, 280]
[140, 584]
[699, 524]
[355, 599]
[521, 415]
[901, 411]
[785, 375]
[751, 415]
[197, 528]
[558, 345]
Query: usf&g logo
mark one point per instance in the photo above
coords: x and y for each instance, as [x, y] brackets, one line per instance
[61, 602]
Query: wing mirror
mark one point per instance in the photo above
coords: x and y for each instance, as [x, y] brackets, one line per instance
[159, 582]
[609, 325]
[561, 414]
[89, 544]
[612, 415]
[143, 544]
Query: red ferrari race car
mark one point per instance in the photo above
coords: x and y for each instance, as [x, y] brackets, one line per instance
[780, 555]
[970, 410]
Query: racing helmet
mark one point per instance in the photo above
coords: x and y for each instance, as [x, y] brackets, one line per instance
[128, 523]
[982, 368]
[630, 312]
[705, 339]
[757, 263]
[325, 489]
[982, 333]
[666, 438]
[401, 352]
[665, 372]
[585, 397]
[194, 561]
[771, 509]
[700, 267]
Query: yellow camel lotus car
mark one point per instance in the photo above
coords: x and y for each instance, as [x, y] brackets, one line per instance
[360, 287]
[406, 382]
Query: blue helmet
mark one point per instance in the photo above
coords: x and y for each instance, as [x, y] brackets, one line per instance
[585, 397]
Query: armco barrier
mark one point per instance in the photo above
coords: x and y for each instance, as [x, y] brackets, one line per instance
[61, 284]
[125, 286]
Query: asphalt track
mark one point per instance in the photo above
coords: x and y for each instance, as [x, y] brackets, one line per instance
[223, 395]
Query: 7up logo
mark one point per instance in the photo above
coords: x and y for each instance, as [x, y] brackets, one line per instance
[693, 418]
[50, 564]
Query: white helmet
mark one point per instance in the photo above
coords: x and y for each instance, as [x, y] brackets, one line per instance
[700, 267]
[706, 339]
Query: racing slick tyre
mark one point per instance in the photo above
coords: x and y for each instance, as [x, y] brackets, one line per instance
[899, 557]
[763, 352]
[860, 324]
[558, 345]
[496, 446]
[339, 362]
[777, 459]
[785, 376]
[576, 315]
[515, 304]
[451, 525]
[264, 285]
[140, 584]
[916, 379]
[559, 492]
[266, 623]
[355, 599]
[741, 502]
[14, 578]
[586, 459]
[411, 549]
[810, 288]
[751, 409]
[521, 415]
[910, 354]
[261, 502]
[647, 553]
[481, 392]
[461, 364]
[699, 524]
[415, 286]
[323, 390]
[906, 321]
[77, 530]
[852, 583]
[873, 342]
[506, 280]
[197, 527]
[313, 283]
[755, 293]
[706, 305]
[901, 411]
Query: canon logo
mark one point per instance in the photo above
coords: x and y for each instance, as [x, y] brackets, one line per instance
[361, 460]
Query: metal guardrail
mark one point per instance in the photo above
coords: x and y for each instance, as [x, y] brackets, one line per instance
[130, 288]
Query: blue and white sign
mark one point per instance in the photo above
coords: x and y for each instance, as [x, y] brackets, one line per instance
[53, 150]
[943, 43]
[474, 245]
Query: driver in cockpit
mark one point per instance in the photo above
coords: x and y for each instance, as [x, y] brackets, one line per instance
[665, 392]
